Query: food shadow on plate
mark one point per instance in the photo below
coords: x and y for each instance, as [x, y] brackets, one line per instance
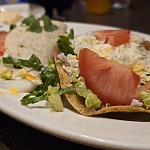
[135, 116]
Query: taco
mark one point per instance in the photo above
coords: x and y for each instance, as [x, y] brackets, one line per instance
[109, 71]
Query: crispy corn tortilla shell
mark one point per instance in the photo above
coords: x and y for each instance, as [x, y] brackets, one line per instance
[77, 102]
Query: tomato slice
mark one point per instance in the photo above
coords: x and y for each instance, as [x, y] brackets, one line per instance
[113, 83]
[2, 42]
[113, 37]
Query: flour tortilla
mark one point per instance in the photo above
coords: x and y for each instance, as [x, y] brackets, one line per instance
[21, 44]
[77, 102]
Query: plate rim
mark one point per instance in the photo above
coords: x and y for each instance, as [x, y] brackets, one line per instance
[31, 7]
[77, 138]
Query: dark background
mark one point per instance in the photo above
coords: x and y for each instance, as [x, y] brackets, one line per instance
[17, 136]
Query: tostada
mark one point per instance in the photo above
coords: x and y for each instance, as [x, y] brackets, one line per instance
[106, 71]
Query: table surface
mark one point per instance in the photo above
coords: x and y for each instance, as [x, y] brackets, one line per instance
[17, 136]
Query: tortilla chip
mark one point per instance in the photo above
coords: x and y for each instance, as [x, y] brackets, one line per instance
[77, 102]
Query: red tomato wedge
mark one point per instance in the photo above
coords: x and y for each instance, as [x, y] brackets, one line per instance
[113, 37]
[112, 82]
[2, 42]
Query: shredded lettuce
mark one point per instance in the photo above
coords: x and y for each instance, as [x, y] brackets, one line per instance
[55, 98]
[34, 62]
[145, 95]
[91, 99]
[66, 90]
[34, 97]
[48, 74]
[64, 43]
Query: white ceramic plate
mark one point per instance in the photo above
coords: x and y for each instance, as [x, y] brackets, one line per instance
[113, 131]
[25, 9]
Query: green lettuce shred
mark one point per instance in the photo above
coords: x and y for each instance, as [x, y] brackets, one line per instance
[64, 43]
[55, 98]
[91, 99]
[145, 95]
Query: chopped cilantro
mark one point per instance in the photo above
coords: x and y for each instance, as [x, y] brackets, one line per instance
[35, 26]
[33, 23]
[48, 26]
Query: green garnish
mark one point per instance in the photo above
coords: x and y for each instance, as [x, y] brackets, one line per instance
[71, 34]
[34, 62]
[55, 98]
[35, 26]
[66, 90]
[33, 23]
[64, 43]
[48, 26]
[91, 99]
[145, 95]
[34, 97]
[12, 26]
